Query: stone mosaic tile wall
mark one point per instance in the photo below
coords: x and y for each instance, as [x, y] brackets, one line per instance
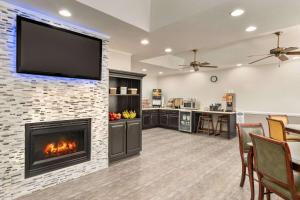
[31, 98]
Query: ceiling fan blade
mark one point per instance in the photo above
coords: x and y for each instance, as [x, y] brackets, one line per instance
[293, 53]
[205, 63]
[259, 55]
[283, 57]
[289, 49]
[260, 59]
[208, 66]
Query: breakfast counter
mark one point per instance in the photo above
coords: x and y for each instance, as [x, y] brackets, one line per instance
[169, 118]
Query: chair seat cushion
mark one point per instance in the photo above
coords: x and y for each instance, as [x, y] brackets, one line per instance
[271, 185]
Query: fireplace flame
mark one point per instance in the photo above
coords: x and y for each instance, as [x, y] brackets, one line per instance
[60, 148]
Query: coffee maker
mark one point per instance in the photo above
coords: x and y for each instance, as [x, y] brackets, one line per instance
[230, 100]
[156, 98]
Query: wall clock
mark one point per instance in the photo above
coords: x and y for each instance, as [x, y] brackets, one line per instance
[213, 79]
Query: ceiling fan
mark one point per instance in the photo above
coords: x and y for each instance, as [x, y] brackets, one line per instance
[196, 65]
[279, 52]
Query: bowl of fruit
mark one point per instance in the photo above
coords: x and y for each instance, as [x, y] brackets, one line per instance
[129, 114]
[114, 116]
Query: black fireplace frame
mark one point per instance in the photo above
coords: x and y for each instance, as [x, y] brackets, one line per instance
[39, 167]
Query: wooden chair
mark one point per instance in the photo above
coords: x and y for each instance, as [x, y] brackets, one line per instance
[273, 165]
[243, 131]
[277, 131]
[283, 118]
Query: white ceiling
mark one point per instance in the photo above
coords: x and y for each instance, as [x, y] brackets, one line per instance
[184, 25]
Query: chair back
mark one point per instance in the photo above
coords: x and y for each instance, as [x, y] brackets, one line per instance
[283, 118]
[276, 129]
[273, 162]
[244, 130]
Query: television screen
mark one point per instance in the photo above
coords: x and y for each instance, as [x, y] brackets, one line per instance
[47, 50]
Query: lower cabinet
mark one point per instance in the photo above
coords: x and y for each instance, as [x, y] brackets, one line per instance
[134, 137]
[160, 118]
[117, 140]
[163, 120]
[125, 138]
[173, 121]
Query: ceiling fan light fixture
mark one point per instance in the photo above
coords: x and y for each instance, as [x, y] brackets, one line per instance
[251, 28]
[144, 70]
[237, 12]
[191, 70]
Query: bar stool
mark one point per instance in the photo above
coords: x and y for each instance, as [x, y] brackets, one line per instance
[205, 124]
[222, 120]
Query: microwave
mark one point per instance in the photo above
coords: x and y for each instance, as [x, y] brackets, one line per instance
[188, 104]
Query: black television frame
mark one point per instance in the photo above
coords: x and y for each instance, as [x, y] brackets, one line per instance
[18, 49]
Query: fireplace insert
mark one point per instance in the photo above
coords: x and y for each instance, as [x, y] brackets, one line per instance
[54, 145]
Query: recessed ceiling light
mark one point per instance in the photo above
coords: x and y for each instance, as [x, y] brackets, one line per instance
[250, 28]
[237, 12]
[144, 41]
[191, 70]
[65, 13]
[144, 70]
[168, 50]
[239, 65]
[296, 58]
[160, 73]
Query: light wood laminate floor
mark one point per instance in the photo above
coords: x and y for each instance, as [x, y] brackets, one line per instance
[172, 166]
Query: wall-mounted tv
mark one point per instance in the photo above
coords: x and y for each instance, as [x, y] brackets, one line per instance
[47, 50]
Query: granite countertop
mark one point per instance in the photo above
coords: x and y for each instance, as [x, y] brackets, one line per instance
[194, 110]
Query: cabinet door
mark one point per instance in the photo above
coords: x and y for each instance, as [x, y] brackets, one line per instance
[117, 140]
[173, 121]
[154, 119]
[134, 137]
[163, 120]
[146, 117]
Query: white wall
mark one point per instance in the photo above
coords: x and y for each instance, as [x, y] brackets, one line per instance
[258, 88]
[149, 83]
[119, 60]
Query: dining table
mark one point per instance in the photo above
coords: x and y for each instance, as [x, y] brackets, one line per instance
[295, 154]
[293, 128]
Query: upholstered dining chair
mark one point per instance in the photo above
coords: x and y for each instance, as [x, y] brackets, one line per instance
[273, 165]
[243, 131]
[277, 131]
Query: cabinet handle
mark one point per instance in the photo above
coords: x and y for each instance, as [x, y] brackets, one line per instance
[134, 124]
[117, 125]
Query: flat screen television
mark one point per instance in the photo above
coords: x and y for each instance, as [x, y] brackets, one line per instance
[47, 50]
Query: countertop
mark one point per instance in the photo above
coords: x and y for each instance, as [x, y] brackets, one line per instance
[193, 110]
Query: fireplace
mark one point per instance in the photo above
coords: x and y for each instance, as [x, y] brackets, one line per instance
[54, 145]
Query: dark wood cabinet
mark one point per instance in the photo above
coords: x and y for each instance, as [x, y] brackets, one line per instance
[173, 121]
[134, 137]
[150, 118]
[117, 140]
[155, 119]
[125, 135]
[160, 118]
[163, 120]
[146, 120]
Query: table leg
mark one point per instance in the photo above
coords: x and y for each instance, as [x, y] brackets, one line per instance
[250, 172]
